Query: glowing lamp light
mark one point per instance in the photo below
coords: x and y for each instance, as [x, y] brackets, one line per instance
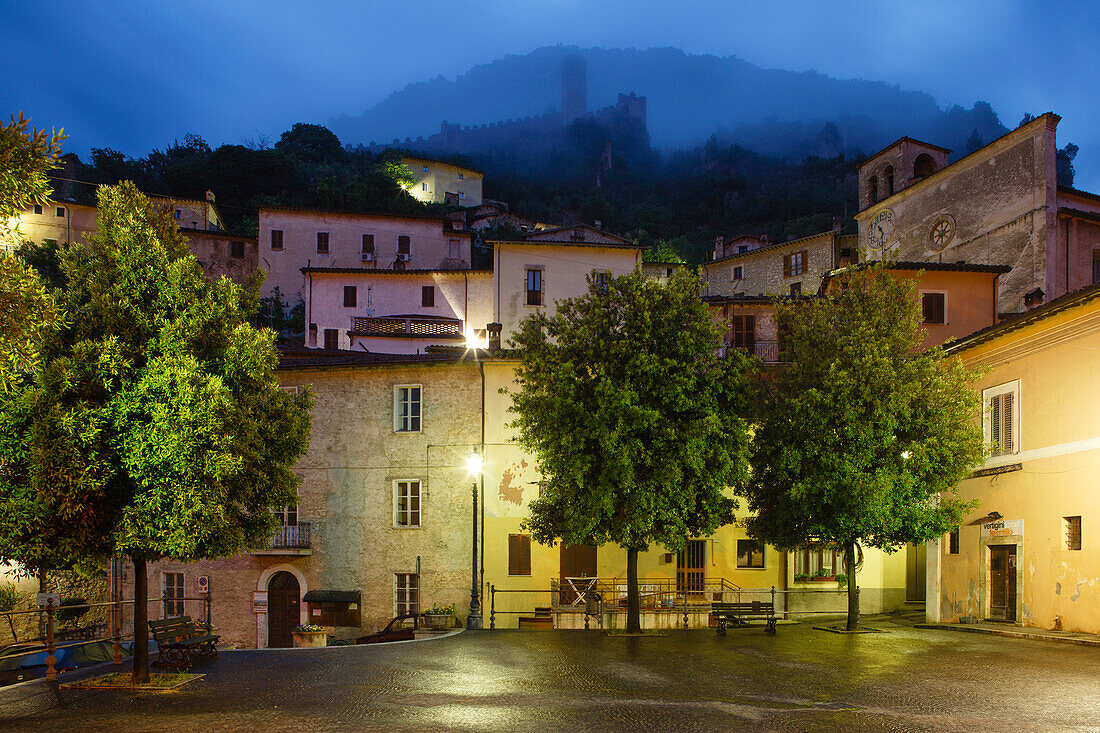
[906, 455]
[474, 464]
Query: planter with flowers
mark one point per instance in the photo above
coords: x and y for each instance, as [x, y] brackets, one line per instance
[439, 617]
[310, 635]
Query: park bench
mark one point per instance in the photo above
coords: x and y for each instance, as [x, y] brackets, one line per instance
[738, 614]
[179, 640]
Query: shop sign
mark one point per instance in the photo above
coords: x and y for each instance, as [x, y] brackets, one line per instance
[259, 601]
[1003, 528]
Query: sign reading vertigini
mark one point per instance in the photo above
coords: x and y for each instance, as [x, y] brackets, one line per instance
[1003, 528]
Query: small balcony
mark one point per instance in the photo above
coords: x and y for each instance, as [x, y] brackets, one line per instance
[408, 327]
[289, 539]
[765, 351]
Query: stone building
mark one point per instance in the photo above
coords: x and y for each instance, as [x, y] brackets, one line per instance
[1000, 205]
[752, 266]
[439, 182]
[1027, 554]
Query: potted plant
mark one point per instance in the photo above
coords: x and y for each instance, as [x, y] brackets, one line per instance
[822, 575]
[801, 577]
[439, 617]
[310, 635]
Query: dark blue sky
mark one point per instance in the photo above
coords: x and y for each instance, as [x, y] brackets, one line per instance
[136, 75]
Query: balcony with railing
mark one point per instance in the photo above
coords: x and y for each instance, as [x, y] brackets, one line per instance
[288, 539]
[765, 351]
[408, 327]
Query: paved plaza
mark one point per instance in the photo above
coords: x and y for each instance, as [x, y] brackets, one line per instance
[799, 680]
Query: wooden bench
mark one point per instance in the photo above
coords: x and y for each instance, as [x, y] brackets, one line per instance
[179, 640]
[737, 614]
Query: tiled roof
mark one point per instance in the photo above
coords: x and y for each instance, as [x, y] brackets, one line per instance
[302, 358]
[768, 247]
[1069, 190]
[433, 161]
[387, 271]
[561, 243]
[929, 266]
[296, 210]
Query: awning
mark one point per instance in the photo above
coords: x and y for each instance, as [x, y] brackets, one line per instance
[332, 596]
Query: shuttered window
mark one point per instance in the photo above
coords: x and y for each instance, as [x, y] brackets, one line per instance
[1001, 421]
[743, 331]
[1073, 532]
[368, 244]
[276, 239]
[794, 264]
[427, 296]
[934, 307]
[534, 287]
[322, 242]
[519, 554]
[349, 296]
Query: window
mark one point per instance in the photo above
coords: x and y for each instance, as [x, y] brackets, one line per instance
[602, 281]
[349, 296]
[406, 408]
[38, 208]
[738, 273]
[796, 290]
[1001, 419]
[743, 331]
[236, 250]
[461, 196]
[1073, 533]
[889, 175]
[403, 245]
[534, 287]
[934, 307]
[406, 504]
[406, 595]
[454, 250]
[368, 244]
[276, 239]
[953, 543]
[427, 296]
[923, 166]
[334, 613]
[288, 515]
[173, 594]
[61, 211]
[425, 169]
[313, 334]
[519, 554]
[423, 186]
[819, 563]
[461, 177]
[750, 554]
[332, 338]
[742, 249]
[177, 213]
[322, 242]
[1096, 265]
[794, 264]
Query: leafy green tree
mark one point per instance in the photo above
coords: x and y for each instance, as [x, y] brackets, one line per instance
[862, 437]
[390, 165]
[155, 426]
[311, 144]
[633, 418]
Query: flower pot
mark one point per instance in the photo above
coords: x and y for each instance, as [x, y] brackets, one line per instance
[438, 621]
[823, 578]
[310, 638]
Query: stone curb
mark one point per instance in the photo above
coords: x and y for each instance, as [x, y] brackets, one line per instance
[434, 637]
[1034, 635]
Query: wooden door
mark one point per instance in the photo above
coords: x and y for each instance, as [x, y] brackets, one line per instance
[1002, 582]
[690, 564]
[282, 609]
[577, 561]
[915, 567]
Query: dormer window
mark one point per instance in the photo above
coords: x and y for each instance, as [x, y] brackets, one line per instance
[576, 236]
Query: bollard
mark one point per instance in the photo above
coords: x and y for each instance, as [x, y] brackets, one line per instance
[492, 607]
[685, 609]
[51, 660]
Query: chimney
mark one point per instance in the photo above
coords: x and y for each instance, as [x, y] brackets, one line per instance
[1034, 298]
[598, 223]
[494, 330]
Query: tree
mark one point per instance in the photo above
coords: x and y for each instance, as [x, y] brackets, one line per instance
[155, 427]
[633, 419]
[862, 436]
[310, 144]
[1064, 162]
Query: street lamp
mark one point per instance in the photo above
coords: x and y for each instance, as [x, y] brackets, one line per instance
[473, 620]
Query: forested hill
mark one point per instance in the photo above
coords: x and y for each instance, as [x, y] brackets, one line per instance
[690, 97]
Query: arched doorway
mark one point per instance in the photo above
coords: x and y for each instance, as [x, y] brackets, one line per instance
[283, 598]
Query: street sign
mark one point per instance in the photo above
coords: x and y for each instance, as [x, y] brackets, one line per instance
[43, 599]
[204, 584]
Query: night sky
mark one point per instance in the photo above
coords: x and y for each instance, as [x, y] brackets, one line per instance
[137, 75]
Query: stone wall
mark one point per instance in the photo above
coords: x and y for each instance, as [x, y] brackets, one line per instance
[762, 271]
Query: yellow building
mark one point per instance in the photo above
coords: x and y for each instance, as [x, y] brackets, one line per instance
[55, 222]
[439, 182]
[1027, 554]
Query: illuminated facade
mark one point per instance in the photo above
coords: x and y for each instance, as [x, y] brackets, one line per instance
[439, 182]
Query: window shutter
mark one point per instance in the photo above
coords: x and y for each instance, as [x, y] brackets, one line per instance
[519, 554]
[1008, 445]
[786, 265]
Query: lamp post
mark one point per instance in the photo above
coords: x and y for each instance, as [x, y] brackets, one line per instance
[473, 620]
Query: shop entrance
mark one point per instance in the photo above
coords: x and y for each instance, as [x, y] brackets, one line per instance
[283, 598]
[1002, 582]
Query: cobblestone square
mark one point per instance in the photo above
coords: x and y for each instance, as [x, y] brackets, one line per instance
[798, 680]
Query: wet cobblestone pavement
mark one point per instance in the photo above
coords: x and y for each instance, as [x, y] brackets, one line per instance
[798, 680]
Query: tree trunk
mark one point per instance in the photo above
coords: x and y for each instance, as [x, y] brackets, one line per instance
[853, 589]
[633, 609]
[141, 622]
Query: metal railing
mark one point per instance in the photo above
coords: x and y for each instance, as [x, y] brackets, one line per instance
[407, 326]
[765, 351]
[290, 537]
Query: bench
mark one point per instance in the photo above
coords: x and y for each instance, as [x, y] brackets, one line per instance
[179, 640]
[736, 614]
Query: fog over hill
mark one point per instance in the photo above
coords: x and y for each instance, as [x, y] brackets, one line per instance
[690, 97]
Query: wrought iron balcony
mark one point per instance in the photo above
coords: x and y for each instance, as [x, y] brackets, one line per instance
[765, 351]
[289, 539]
[409, 326]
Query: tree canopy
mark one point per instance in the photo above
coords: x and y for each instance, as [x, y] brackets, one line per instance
[633, 419]
[155, 426]
[862, 436]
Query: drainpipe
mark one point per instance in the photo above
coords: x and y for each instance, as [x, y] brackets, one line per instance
[481, 478]
[309, 307]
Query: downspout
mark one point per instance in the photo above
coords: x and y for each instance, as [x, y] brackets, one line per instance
[996, 295]
[309, 308]
[481, 560]
[466, 302]
[1069, 223]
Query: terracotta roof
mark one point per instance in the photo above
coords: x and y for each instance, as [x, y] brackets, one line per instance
[1079, 214]
[1065, 302]
[295, 210]
[464, 168]
[1078, 192]
[552, 230]
[904, 140]
[557, 243]
[930, 266]
[386, 271]
[768, 247]
[302, 358]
